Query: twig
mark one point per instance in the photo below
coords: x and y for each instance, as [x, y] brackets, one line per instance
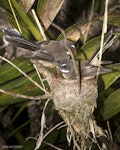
[16, 20]
[56, 126]
[38, 73]
[104, 30]
[51, 145]
[43, 118]
[43, 71]
[17, 95]
[109, 131]
[23, 73]
[42, 31]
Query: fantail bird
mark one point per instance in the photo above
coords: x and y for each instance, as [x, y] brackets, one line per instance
[53, 53]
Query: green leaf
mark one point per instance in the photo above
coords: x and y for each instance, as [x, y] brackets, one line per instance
[5, 4]
[18, 128]
[29, 23]
[111, 105]
[115, 66]
[112, 19]
[20, 110]
[110, 78]
[25, 21]
[28, 145]
[10, 22]
[8, 72]
[19, 85]
[40, 7]
[88, 49]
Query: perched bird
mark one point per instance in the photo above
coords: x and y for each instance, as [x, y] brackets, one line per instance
[74, 101]
[53, 53]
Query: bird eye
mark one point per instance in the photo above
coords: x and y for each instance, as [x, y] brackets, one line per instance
[72, 47]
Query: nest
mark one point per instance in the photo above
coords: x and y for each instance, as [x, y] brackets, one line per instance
[75, 102]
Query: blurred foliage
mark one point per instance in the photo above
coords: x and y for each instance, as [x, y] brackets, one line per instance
[17, 125]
